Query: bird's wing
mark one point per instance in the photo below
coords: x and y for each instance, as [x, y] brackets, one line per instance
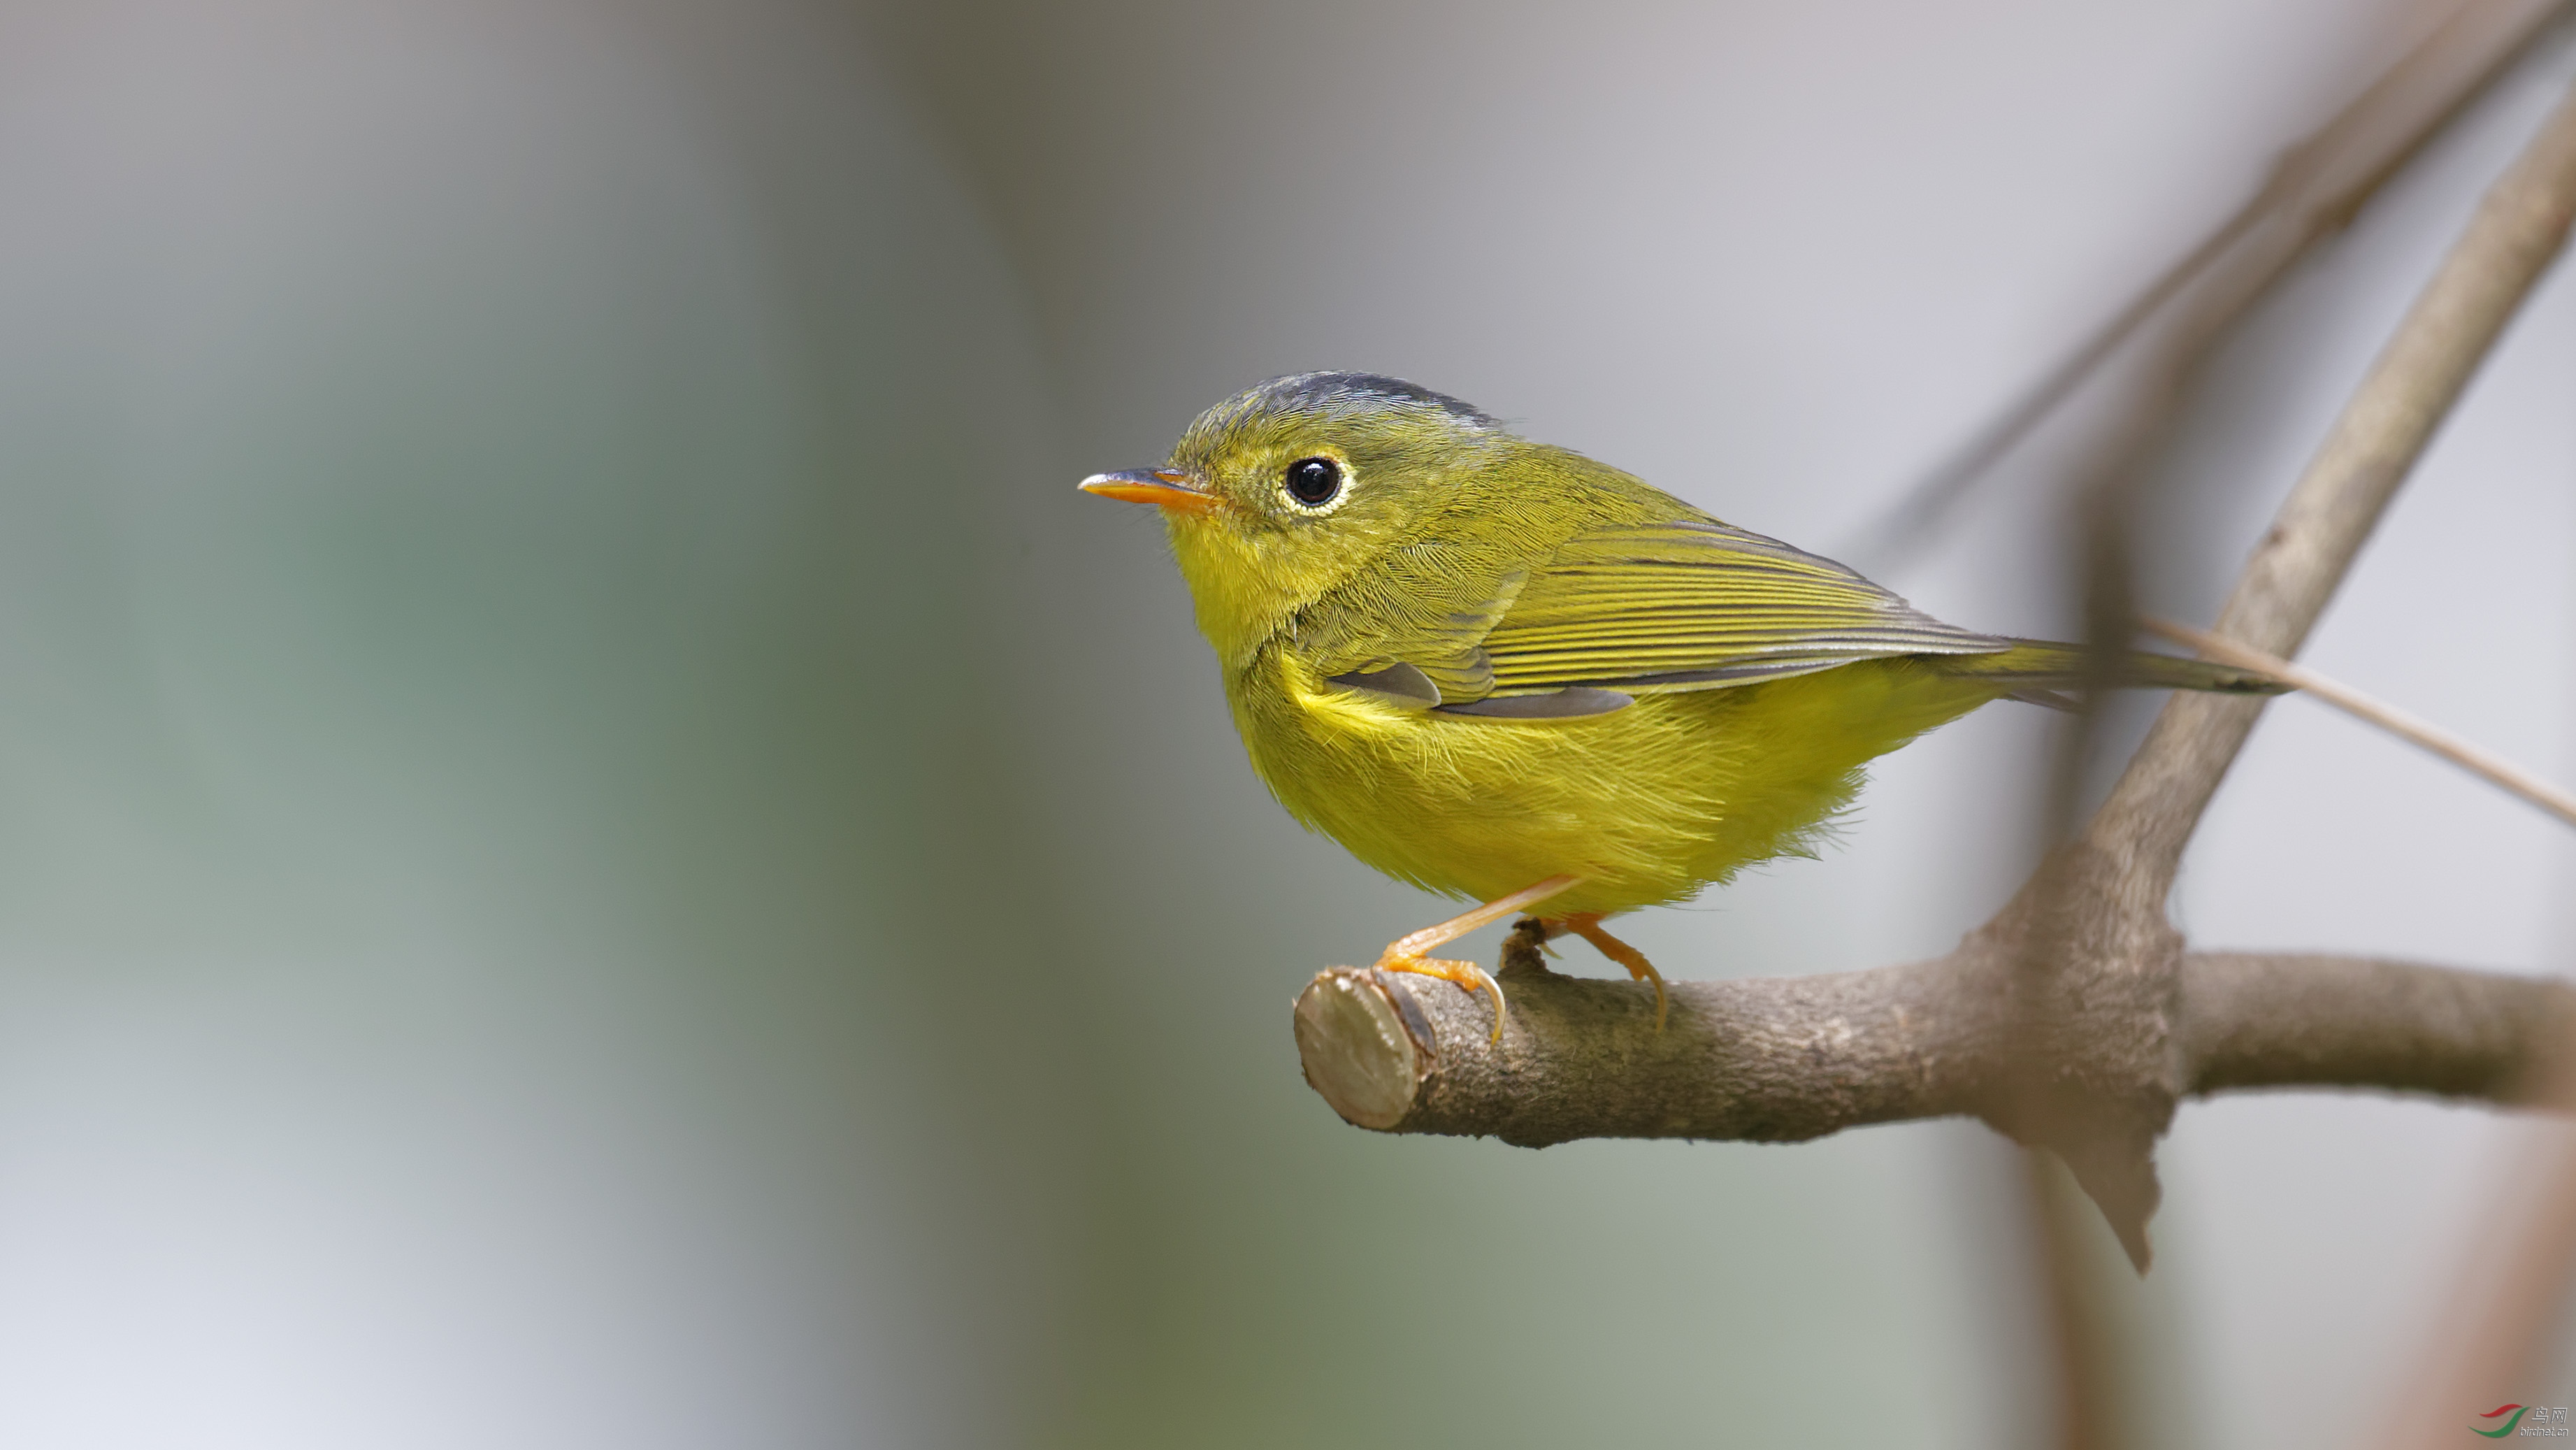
[1693, 604]
[1413, 627]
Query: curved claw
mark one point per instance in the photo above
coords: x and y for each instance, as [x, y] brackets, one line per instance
[1466, 974]
[1408, 954]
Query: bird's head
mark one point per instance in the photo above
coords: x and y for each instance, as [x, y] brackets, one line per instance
[1279, 494]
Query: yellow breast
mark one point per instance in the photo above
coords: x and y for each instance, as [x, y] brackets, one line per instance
[1647, 804]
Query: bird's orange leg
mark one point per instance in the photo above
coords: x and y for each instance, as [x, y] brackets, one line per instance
[1405, 954]
[1588, 927]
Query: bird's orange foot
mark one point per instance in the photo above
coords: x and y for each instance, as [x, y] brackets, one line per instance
[1588, 927]
[1412, 953]
[1466, 974]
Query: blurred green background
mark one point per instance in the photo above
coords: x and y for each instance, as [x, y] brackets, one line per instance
[596, 849]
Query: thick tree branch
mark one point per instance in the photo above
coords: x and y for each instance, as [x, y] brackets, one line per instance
[2290, 1021]
[1790, 1058]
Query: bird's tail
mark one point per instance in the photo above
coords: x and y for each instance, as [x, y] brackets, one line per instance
[2036, 670]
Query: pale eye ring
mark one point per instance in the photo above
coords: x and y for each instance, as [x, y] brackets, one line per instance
[1313, 482]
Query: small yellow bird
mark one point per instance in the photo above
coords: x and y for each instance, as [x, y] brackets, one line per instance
[1504, 672]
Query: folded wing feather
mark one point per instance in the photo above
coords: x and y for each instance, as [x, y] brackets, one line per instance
[1694, 604]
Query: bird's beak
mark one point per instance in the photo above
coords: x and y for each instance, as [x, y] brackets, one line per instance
[1162, 487]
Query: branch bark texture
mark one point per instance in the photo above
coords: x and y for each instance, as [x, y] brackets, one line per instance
[1786, 1059]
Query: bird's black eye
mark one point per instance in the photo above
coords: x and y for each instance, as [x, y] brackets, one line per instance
[1314, 482]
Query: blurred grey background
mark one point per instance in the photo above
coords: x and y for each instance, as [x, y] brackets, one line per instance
[596, 849]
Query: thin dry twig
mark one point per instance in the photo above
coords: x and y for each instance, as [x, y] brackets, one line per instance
[2485, 764]
[2312, 193]
[2520, 227]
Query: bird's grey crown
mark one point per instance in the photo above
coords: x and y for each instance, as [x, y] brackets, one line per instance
[1343, 393]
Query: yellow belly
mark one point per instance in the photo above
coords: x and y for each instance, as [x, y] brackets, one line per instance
[1646, 804]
